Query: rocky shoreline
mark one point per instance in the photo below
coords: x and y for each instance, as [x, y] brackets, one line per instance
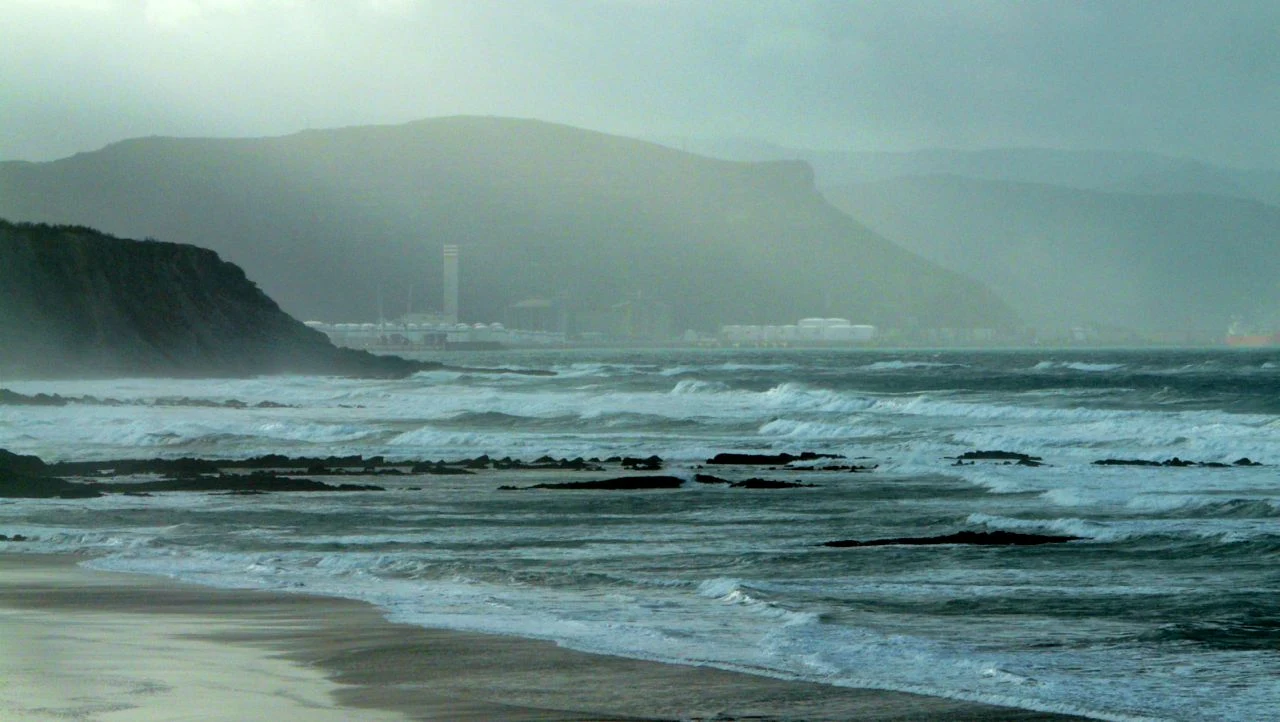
[24, 476]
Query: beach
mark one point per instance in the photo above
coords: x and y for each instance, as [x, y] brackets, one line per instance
[85, 644]
[506, 509]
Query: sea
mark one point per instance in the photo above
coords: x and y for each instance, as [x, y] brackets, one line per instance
[1166, 608]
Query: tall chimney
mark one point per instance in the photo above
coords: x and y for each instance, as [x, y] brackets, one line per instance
[451, 283]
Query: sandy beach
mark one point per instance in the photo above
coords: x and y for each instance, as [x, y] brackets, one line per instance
[83, 644]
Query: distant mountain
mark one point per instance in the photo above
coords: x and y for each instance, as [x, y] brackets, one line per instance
[1126, 171]
[77, 303]
[1065, 256]
[331, 221]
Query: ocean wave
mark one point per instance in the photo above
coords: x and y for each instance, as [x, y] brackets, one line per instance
[723, 368]
[796, 429]
[1206, 507]
[697, 386]
[1076, 366]
[433, 438]
[1221, 531]
[899, 365]
[1067, 526]
[799, 396]
[735, 592]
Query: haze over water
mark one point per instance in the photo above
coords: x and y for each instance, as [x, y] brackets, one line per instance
[1164, 610]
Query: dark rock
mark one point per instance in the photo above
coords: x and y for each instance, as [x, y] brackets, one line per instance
[11, 463]
[994, 455]
[768, 484]
[28, 477]
[752, 483]
[13, 398]
[81, 303]
[980, 538]
[14, 538]
[625, 483]
[767, 459]
[15, 486]
[173, 467]
[851, 468]
[257, 481]
[439, 469]
[652, 463]
[1175, 462]
[480, 462]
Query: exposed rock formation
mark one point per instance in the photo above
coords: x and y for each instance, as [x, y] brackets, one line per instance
[980, 538]
[76, 302]
[625, 483]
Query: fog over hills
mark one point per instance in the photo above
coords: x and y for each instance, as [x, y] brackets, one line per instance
[1064, 256]
[1106, 170]
[1121, 239]
[330, 221]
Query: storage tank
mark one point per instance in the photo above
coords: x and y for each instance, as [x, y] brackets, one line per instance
[843, 333]
[863, 332]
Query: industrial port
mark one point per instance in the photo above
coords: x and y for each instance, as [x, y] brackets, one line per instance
[546, 323]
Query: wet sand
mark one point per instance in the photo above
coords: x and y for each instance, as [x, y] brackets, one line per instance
[88, 645]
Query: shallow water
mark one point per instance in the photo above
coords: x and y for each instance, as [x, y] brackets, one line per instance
[1166, 609]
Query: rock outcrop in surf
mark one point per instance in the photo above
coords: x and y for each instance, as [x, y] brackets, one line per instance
[978, 538]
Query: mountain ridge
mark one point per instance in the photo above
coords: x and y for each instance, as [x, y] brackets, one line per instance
[1119, 170]
[1144, 261]
[331, 220]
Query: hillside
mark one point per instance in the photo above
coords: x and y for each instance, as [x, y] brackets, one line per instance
[76, 302]
[331, 221]
[1176, 262]
[1124, 171]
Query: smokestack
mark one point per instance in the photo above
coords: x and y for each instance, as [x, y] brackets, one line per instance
[451, 283]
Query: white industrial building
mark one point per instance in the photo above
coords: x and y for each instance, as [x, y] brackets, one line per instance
[808, 332]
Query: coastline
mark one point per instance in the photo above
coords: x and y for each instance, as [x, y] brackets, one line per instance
[112, 646]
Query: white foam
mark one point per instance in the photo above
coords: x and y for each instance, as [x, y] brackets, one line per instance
[696, 386]
[899, 365]
[1077, 366]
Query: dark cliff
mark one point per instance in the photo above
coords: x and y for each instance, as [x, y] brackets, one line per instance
[76, 302]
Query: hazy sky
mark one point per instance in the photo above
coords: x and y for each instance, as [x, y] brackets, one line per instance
[1187, 77]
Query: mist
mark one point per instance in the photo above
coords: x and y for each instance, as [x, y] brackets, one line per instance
[1109, 163]
[1181, 77]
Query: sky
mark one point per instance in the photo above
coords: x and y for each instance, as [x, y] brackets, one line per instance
[1193, 78]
